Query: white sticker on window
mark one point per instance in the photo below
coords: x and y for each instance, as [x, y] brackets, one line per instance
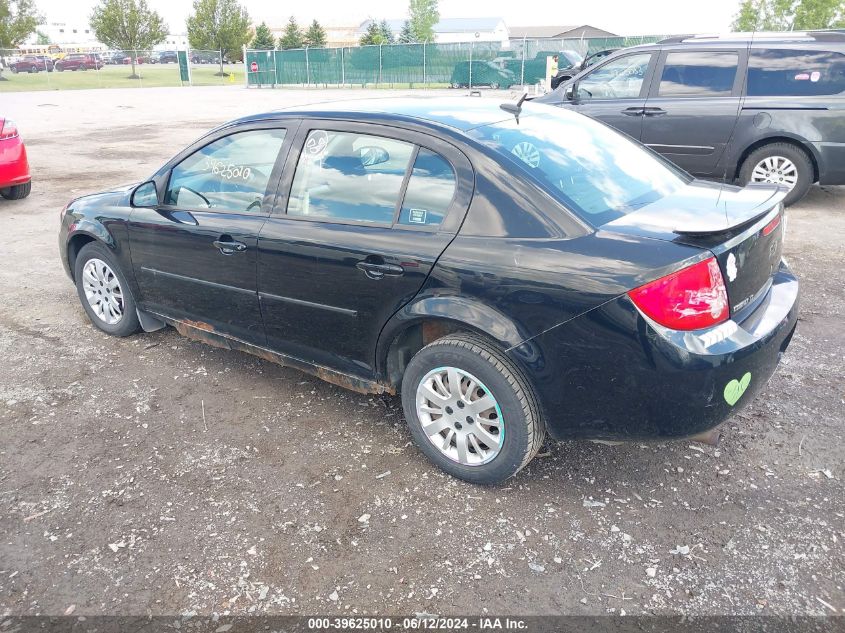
[815, 76]
[417, 216]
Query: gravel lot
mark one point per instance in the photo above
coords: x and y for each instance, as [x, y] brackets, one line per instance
[155, 475]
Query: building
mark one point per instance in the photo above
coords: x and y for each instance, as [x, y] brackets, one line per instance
[67, 34]
[583, 31]
[174, 42]
[450, 30]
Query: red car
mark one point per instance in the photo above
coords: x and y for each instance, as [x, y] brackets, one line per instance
[14, 167]
[79, 61]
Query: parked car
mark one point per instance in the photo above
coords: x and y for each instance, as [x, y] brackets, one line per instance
[767, 109]
[205, 57]
[507, 274]
[533, 70]
[15, 182]
[139, 58]
[484, 73]
[574, 68]
[114, 57]
[164, 57]
[79, 61]
[32, 64]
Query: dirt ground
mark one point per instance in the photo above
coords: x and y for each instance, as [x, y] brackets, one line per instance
[155, 475]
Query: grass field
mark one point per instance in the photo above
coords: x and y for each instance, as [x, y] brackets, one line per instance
[118, 77]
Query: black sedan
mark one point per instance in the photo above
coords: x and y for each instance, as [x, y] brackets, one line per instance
[509, 270]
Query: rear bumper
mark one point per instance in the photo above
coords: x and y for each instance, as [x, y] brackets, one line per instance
[612, 374]
[14, 166]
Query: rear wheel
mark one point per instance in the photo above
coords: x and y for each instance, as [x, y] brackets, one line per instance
[104, 291]
[781, 164]
[33, 69]
[18, 192]
[14, 70]
[470, 409]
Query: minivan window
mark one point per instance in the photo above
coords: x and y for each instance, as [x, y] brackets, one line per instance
[593, 170]
[621, 78]
[798, 73]
[349, 177]
[698, 74]
[430, 191]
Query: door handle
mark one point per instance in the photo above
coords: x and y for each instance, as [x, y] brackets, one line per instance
[653, 111]
[633, 111]
[229, 246]
[377, 271]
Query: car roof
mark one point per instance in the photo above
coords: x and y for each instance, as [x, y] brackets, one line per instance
[457, 113]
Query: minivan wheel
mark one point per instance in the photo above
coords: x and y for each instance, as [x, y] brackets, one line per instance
[780, 164]
[104, 291]
[470, 409]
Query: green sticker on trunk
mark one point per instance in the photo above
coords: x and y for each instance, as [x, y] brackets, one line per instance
[735, 388]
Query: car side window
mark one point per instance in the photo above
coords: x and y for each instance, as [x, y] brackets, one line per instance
[349, 177]
[230, 174]
[621, 78]
[698, 74]
[430, 191]
[781, 73]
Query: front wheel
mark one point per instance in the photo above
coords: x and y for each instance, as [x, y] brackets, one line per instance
[781, 164]
[470, 409]
[104, 291]
[17, 192]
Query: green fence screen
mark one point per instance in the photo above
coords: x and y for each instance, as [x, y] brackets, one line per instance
[466, 64]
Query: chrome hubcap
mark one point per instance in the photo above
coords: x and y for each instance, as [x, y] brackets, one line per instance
[460, 416]
[777, 170]
[102, 290]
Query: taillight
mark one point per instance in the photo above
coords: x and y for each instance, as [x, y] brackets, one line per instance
[8, 129]
[689, 299]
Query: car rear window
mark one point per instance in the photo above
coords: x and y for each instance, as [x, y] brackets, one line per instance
[596, 172]
[790, 72]
[698, 74]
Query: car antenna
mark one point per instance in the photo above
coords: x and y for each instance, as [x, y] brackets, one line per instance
[515, 108]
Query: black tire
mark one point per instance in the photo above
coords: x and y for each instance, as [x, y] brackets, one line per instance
[33, 69]
[128, 324]
[17, 192]
[795, 154]
[58, 68]
[14, 70]
[520, 411]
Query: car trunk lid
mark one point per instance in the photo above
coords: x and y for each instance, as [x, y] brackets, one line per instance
[742, 227]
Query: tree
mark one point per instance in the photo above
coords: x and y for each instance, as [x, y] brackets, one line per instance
[315, 36]
[423, 15]
[219, 25]
[263, 40]
[41, 38]
[292, 36]
[377, 33]
[405, 35]
[789, 15]
[128, 25]
[18, 19]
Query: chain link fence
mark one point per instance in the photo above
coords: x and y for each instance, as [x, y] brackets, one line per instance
[522, 62]
[40, 68]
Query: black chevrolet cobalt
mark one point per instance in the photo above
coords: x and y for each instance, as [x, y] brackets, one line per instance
[509, 269]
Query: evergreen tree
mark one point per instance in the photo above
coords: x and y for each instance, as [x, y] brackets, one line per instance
[263, 40]
[372, 35]
[386, 32]
[292, 36]
[405, 35]
[315, 36]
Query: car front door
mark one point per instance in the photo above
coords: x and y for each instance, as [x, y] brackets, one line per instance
[194, 255]
[693, 106]
[363, 213]
[615, 92]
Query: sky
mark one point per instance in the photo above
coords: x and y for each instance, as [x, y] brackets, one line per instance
[623, 17]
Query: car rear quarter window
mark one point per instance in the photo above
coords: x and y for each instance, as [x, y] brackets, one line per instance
[227, 175]
[430, 191]
[349, 177]
[596, 172]
[698, 74]
[792, 72]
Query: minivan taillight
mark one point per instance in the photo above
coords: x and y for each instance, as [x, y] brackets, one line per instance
[689, 299]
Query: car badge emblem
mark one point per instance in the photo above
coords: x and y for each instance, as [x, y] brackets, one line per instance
[731, 266]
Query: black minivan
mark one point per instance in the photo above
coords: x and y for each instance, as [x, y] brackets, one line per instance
[767, 107]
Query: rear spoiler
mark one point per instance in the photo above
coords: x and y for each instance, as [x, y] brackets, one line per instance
[737, 221]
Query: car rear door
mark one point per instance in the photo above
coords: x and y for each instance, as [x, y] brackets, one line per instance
[616, 91]
[194, 256]
[363, 213]
[693, 105]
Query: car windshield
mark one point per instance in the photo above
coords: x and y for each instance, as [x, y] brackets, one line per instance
[593, 170]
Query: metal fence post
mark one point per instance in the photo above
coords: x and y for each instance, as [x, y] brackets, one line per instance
[471, 47]
[342, 70]
[307, 69]
[379, 65]
[246, 69]
[522, 71]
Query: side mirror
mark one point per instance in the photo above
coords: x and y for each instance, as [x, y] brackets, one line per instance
[145, 195]
[372, 155]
